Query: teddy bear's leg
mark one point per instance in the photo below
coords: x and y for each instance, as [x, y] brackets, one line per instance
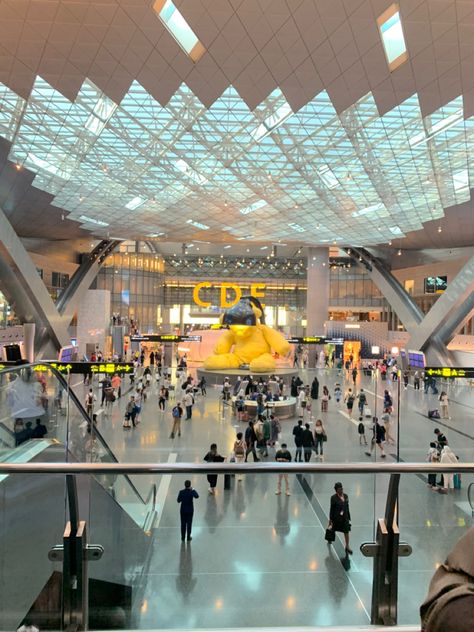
[223, 361]
[263, 363]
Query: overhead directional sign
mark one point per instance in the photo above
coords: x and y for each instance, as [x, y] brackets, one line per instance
[448, 371]
[82, 368]
[165, 338]
[315, 340]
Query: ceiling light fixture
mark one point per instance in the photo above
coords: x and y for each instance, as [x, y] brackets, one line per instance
[182, 165]
[135, 203]
[297, 227]
[179, 28]
[154, 235]
[327, 176]
[228, 246]
[197, 224]
[271, 123]
[440, 229]
[399, 252]
[253, 207]
[91, 220]
[393, 40]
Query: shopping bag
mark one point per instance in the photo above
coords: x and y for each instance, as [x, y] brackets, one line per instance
[330, 535]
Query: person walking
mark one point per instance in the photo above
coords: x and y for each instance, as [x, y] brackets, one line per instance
[416, 381]
[275, 429]
[177, 414]
[406, 378]
[340, 515]
[130, 412]
[361, 431]
[308, 443]
[239, 451]
[162, 399]
[188, 402]
[250, 441]
[325, 399]
[387, 424]
[441, 439]
[337, 392]
[354, 375]
[298, 435]
[387, 402]
[315, 388]
[202, 385]
[378, 438]
[320, 436]
[186, 511]
[444, 401]
[106, 384]
[89, 403]
[432, 457]
[283, 456]
[117, 384]
[362, 401]
[349, 401]
[447, 456]
[261, 442]
[213, 457]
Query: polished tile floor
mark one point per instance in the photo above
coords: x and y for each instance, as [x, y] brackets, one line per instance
[257, 559]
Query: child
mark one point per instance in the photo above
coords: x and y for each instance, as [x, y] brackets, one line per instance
[432, 457]
[337, 392]
[361, 431]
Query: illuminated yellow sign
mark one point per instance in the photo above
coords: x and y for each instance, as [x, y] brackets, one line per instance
[256, 290]
[447, 371]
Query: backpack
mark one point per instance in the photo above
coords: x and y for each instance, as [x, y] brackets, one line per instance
[361, 428]
[175, 412]
[362, 398]
[239, 448]
[90, 399]
[350, 399]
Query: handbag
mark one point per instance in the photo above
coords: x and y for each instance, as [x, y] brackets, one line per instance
[325, 437]
[330, 535]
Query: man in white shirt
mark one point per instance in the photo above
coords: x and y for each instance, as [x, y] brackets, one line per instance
[188, 401]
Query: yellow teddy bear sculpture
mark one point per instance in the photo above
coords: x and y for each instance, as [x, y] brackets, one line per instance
[248, 341]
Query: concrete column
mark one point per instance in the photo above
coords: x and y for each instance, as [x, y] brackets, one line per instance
[317, 296]
[29, 341]
[93, 321]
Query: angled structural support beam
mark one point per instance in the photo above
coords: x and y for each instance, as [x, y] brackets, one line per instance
[27, 293]
[25, 289]
[415, 322]
[400, 301]
[82, 279]
[449, 311]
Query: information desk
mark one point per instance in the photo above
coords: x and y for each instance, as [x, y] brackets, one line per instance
[283, 409]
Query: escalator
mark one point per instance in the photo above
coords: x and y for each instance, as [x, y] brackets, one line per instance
[36, 508]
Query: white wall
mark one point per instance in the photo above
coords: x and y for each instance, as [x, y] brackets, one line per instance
[93, 320]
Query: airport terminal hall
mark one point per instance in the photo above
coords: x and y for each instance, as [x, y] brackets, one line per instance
[236, 315]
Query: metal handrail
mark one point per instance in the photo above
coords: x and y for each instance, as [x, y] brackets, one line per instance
[232, 468]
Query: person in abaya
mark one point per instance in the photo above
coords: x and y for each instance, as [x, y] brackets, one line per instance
[315, 388]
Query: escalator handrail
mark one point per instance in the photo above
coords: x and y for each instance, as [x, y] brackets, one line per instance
[83, 413]
[97, 432]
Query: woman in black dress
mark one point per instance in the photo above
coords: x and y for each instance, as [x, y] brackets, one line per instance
[315, 388]
[339, 514]
[213, 457]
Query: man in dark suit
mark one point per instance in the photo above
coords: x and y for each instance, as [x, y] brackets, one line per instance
[186, 498]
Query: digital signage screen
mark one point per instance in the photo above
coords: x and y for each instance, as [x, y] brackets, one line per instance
[436, 284]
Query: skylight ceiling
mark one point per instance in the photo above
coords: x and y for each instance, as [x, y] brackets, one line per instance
[318, 177]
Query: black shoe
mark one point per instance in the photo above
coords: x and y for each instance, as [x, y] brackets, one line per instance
[348, 551]
[182, 539]
[189, 539]
[368, 454]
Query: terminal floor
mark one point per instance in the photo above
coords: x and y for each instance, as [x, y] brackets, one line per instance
[257, 559]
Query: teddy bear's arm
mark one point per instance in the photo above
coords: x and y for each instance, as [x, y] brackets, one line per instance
[276, 340]
[225, 342]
